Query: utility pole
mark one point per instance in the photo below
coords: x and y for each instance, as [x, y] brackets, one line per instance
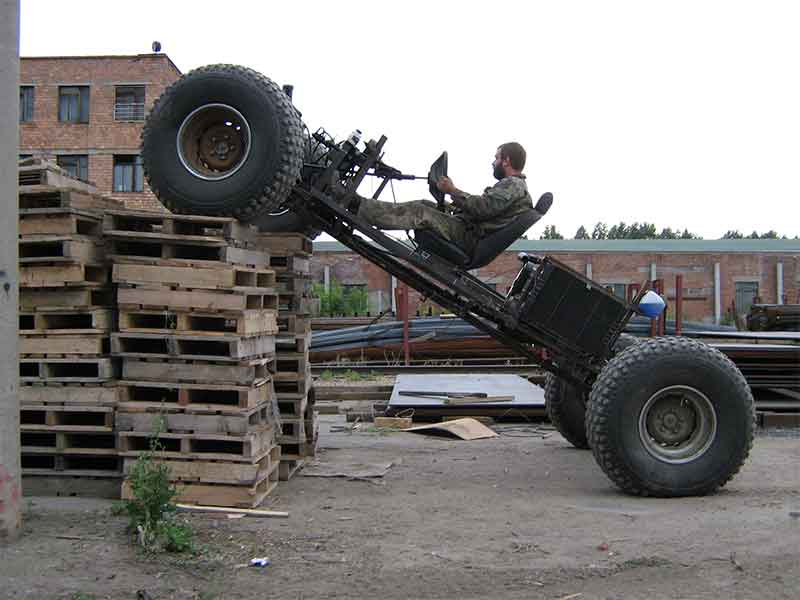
[10, 483]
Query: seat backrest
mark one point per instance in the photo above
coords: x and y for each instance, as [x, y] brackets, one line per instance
[496, 242]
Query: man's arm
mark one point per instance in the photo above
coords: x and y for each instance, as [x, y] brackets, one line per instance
[494, 201]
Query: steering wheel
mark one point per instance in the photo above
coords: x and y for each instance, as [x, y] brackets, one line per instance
[437, 171]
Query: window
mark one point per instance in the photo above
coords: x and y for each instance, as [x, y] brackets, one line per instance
[746, 292]
[77, 165]
[129, 103]
[128, 173]
[618, 289]
[26, 103]
[73, 104]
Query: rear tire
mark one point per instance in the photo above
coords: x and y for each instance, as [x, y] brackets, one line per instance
[223, 140]
[670, 416]
[566, 407]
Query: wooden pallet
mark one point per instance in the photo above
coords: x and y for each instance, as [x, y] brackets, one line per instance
[286, 243]
[292, 383]
[177, 420]
[206, 471]
[70, 465]
[99, 443]
[69, 299]
[293, 431]
[66, 370]
[249, 447]
[64, 346]
[69, 394]
[240, 496]
[34, 249]
[228, 277]
[291, 362]
[74, 419]
[245, 323]
[202, 300]
[192, 347]
[178, 227]
[71, 322]
[290, 324]
[64, 485]
[294, 284]
[59, 221]
[298, 451]
[243, 373]
[51, 195]
[182, 253]
[285, 265]
[193, 397]
[292, 405]
[297, 303]
[63, 275]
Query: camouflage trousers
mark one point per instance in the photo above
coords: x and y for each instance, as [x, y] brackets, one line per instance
[418, 214]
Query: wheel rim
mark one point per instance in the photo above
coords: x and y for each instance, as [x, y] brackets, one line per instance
[214, 141]
[677, 424]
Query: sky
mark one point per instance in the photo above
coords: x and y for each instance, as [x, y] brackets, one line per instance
[685, 114]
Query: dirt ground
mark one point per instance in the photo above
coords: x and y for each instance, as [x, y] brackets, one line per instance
[518, 516]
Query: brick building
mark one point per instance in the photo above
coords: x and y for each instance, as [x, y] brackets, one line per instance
[87, 113]
[715, 272]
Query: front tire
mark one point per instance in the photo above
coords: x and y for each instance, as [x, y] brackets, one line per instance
[566, 407]
[670, 416]
[223, 140]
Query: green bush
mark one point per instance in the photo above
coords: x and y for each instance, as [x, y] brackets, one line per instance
[340, 300]
[151, 512]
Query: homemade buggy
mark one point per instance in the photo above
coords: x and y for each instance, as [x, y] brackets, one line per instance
[665, 417]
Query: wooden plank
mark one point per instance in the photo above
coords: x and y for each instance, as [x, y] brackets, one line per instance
[192, 347]
[299, 383]
[68, 395]
[206, 254]
[59, 484]
[245, 322]
[250, 373]
[289, 467]
[61, 442]
[62, 275]
[296, 265]
[178, 225]
[193, 397]
[196, 299]
[54, 193]
[55, 322]
[48, 345]
[392, 422]
[64, 298]
[236, 511]
[286, 243]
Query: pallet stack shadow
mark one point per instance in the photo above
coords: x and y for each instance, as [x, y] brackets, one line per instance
[197, 323]
[67, 376]
[290, 255]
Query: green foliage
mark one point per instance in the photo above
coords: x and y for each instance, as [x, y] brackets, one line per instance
[550, 233]
[327, 375]
[341, 300]
[600, 232]
[151, 512]
[581, 234]
[635, 231]
[351, 375]
[732, 234]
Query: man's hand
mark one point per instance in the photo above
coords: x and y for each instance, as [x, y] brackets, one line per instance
[445, 184]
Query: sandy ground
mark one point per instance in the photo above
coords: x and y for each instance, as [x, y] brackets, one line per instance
[519, 516]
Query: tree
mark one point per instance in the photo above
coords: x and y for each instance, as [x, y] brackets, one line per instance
[550, 233]
[770, 235]
[687, 235]
[600, 231]
[581, 234]
[732, 234]
[668, 234]
[753, 236]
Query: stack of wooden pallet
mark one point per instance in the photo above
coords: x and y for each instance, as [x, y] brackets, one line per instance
[290, 258]
[197, 324]
[67, 376]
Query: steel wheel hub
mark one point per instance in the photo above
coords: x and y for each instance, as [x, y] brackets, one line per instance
[213, 141]
[677, 424]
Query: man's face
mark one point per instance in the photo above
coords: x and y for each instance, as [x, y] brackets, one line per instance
[498, 166]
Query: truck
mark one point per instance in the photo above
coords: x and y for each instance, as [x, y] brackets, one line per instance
[665, 416]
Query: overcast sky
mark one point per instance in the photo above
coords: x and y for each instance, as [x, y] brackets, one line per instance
[682, 113]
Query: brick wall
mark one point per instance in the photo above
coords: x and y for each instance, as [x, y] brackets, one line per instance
[102, 137]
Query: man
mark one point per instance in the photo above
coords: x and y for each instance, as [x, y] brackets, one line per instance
[473, 217]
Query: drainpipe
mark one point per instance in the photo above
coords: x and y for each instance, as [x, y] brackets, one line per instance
[779, 272]
[717, 295]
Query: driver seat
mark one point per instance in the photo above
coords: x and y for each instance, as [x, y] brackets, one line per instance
[489, 247]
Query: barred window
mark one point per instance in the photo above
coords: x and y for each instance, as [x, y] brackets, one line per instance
[129, 103]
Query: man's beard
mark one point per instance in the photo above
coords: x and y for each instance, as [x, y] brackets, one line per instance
[498, 172]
